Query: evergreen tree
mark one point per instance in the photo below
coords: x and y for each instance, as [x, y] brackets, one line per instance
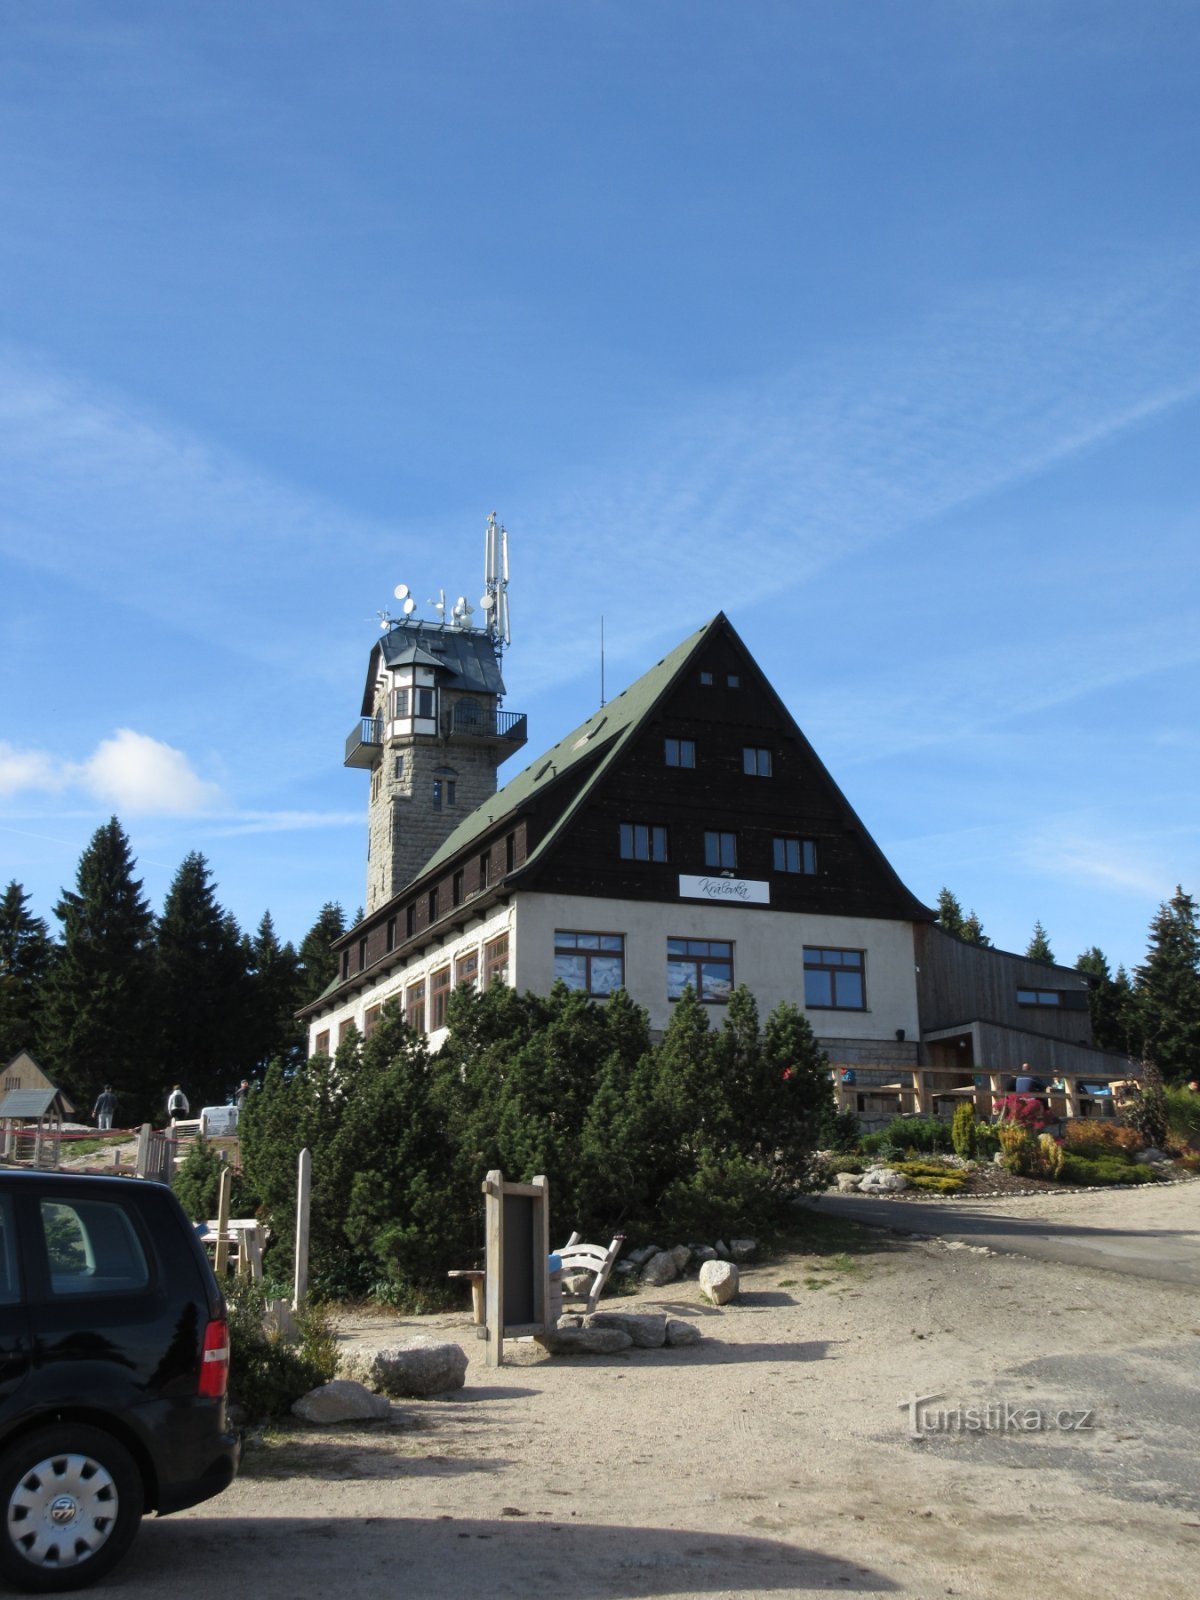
[275, 970]
[318, 963]
[26, 954]
[972, 931]
[96, 1012]
[950, 913]
[202, 990]
[1039, 946]
[1108, 1000]
[1167, 990]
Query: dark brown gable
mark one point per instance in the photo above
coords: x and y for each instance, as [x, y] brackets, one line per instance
[736, 766]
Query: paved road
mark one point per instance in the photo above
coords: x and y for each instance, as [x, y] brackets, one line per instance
[1145, 1232]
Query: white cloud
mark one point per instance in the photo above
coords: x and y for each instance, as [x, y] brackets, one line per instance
[131, 772]
[136, 773]
[21, 770]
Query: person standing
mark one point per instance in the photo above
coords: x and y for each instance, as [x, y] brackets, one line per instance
[106, 1105]
[243, 1090]
[177, 1103]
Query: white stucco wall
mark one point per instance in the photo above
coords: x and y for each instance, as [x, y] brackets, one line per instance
[768, 955]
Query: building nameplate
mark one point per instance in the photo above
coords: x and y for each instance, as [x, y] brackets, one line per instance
[736, 891]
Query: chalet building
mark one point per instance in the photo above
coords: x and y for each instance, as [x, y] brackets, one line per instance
[686, 833]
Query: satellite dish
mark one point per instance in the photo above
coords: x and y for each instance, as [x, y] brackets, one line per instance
[409, 606]
[401, 591]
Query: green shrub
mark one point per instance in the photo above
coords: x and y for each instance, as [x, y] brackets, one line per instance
[928, 1169]
[962, 1130]
[266, 1373]
[942, 1185]
[1105, 1171]
[987, 1141]
[1183, 1115]
[197, 1183]
[838, 1131]
[847, 1164]
[926, 1135]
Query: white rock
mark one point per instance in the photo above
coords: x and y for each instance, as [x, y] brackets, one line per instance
[719, 1281]
[422, 1367]
[343, 1400]
[882, 1180]
[848, 1182]
[578, 1283]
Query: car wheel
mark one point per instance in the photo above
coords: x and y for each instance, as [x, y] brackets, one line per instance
[71, 1502]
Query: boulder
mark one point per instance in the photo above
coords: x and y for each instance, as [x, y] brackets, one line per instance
[647, 1329]
[640, 1257]
[343, 1400]
[883, 1180]
[719, 1281]
[1153, 1153]
[660, 1269]
[587, 1341]
[681, 1255]
[704, 1252]
[848, 1182]
[421, 1367]
[681, 1333]
[578, 1283]
[721, 1248]
[742, 1249]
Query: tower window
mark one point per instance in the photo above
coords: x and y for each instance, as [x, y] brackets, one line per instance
[443, 794]
[398, 768]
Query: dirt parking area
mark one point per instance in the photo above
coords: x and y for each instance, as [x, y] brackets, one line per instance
[1053, 1453]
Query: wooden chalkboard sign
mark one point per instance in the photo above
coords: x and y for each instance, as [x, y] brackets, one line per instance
[517, 1262]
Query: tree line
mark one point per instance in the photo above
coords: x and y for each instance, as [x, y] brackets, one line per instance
[1153, 1013]
[124, 997]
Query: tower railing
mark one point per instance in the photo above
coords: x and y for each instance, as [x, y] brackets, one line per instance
[363, 742]
[467, 720]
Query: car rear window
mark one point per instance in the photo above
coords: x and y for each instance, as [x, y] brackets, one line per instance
[92, 1247]
[10, 1288]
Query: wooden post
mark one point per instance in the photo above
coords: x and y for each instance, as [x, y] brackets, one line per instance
[142, 1159]
[223, 1221]
[303, 1202]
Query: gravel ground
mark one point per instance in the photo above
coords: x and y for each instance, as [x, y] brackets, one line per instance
[778, 1457]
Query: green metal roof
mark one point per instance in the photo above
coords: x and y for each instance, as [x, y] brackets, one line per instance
[603, 735]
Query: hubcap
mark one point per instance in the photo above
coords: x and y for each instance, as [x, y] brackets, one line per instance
[62, 1511]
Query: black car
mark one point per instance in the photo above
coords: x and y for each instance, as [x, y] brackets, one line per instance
[114, 1364]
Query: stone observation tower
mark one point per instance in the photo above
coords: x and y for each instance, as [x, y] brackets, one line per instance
[432, 733]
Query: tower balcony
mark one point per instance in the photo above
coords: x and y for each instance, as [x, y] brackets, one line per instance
[485, 725]
[365, 743]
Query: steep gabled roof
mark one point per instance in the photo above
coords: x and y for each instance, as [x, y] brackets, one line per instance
[598, 742]
[466, 655]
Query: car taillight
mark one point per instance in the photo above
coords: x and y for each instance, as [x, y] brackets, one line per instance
[214, 1361]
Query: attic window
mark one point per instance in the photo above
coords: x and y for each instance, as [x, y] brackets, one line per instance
[706, 680]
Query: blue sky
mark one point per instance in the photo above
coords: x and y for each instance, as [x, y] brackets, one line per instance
[874, 325]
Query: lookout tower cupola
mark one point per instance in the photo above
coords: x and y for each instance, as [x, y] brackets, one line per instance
[432, 731]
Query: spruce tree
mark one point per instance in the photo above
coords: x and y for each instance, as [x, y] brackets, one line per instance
[96, 1013]
[25, 957]
[1108, 1001]
[202, 991]
[950, 913]
[1167, 990]
[972, 931]
[275, 971]
[1039, 946]
[318, 963]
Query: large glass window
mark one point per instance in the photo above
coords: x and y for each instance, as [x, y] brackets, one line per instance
[720, 850]
[466, 968]
[593, 963]
[92, 1247]
[680, 752]
[1039, 997]
[794, 855]
[371, 1018]
[643, 841]
[835, 979]
[414, 1006]
[439, 993]
[706, 964]
[495, 961]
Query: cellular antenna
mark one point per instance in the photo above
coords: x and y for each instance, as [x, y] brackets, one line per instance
[494, 600]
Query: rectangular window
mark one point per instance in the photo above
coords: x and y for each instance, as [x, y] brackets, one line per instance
[439, 993]
[466, 969]
[642, 841]
[834, 979]
[345, 1029]
[456, 889]
[794, 855]
[399, 704]
[398, 767]
[706, 679]
[92, 1247]
[720, 850]
[592, 963]
[391, 933]
[371, 1018]
[422, 702]
[410, 920]
[1039, 997]
[362, 954]
[756, 761]
[495, 961]
[485, 868]
[510, 851]
[704, 964]
[732, 681]
[443, 793]
[680, 752]
[434, 898]
[346, 962]
[321, 1044]
[414, 1006]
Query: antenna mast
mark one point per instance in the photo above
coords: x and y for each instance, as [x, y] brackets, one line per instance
[495, 584]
